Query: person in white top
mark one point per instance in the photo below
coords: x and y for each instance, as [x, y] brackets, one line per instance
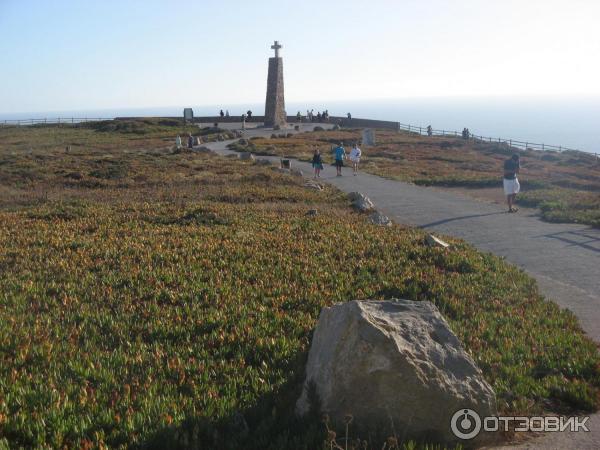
[355, 155]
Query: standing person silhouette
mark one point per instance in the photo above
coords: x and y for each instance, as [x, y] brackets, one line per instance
[355, 155]
[317, 163]
[340, 155]
[511, 183]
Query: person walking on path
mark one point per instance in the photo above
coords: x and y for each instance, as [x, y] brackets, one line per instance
[317, 163]
[190, 141]
[511, 183]
[340, 155]
[178, 142]
[355, 155]
[429, 130]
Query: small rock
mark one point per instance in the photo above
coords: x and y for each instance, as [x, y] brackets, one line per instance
[433, 241]
[376, 218]
[313, 185]
[297, 128]
[361, 201]
[247, 156]
[312, 212]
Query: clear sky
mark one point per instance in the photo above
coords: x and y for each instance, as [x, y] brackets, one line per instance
[67, 54]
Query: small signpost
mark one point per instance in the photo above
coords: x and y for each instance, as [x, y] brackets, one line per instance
[368, 137]
[188, 114]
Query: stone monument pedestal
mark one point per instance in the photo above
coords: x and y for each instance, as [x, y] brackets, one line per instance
[275, 114]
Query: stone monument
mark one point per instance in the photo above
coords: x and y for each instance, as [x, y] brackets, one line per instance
[275, 115]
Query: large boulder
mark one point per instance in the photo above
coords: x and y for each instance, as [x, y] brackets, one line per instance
[393, 362]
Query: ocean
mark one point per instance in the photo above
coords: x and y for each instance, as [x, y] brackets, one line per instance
[569, 122]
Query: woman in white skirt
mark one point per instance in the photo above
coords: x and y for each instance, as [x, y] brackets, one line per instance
[355, 155]
[511, 183]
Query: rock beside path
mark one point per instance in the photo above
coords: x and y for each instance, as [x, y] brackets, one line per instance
[376, 218]
[434, 241]
[361, 202]
[393, 361]
[247, 156]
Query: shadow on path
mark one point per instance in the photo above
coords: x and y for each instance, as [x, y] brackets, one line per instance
[440, 222]
[570, 238]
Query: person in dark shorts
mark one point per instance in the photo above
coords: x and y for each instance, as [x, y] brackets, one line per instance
[511, 183]
[317, 163]
[340, 155]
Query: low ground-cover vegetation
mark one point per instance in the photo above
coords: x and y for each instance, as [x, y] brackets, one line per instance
[572, 177]
[151, 299]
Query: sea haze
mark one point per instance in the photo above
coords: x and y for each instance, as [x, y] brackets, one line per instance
[571, 122]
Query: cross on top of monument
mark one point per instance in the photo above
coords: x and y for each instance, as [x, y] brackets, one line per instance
[276, 46]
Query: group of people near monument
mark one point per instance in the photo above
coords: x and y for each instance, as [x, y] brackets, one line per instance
[247, 117]
[312, 117]
[340, 155]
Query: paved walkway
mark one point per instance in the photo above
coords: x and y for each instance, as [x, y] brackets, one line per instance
[563, 258]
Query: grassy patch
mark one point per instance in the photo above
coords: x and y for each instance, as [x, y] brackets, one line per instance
[173, 306]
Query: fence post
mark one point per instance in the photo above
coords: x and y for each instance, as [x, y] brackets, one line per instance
[419, 131]
[510, 142]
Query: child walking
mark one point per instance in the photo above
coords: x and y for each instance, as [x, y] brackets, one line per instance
[317, 163]
[355, 155]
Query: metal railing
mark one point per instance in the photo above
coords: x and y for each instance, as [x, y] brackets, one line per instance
[525, 145]
[57, 120]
